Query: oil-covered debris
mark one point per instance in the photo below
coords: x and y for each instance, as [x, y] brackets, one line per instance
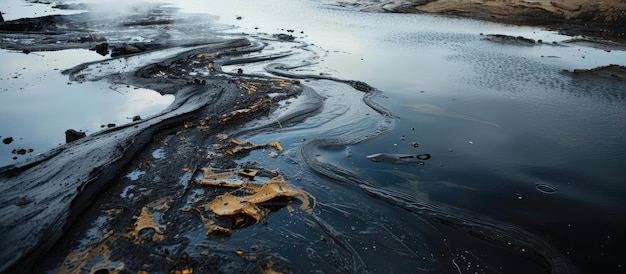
[247, 146]
[218, 202]
[260, 105]
[252, 199]
[7, 140]
[146, 220]
[508, 39]
[407, 159]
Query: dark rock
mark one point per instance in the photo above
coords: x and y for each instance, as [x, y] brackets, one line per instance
[136, 118]
[501, 38]
[102, 49]
[20, 151]
[611, 71]
[7, 140]
[361, 86]
[284, 37]
[73, 135]
[111, 125]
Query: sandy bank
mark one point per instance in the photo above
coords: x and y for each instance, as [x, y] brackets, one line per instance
[573, 17]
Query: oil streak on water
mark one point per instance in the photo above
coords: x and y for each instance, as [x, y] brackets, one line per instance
[511, 135]
[517, 146]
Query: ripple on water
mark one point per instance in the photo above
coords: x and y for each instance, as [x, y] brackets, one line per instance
[545, 188]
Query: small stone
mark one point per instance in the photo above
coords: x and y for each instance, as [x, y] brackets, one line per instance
[72, 135]
[110, 125]
[7, 140]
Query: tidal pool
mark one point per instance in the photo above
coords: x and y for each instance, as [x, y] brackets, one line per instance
[526, 167]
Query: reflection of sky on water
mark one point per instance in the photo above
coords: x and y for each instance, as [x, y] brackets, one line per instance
[39, 103]
[15, 9]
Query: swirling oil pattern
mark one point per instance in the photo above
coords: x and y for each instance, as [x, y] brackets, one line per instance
[397, 149]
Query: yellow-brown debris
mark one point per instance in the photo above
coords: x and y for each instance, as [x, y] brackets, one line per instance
[229, 205]
[146, 220]
[185, 270]
[247, 146]
[248, 202]
[93, 258]
[207, 55]
[225, 179]
[250, 88]
[268, 269]
[279, 83]
[237, 114]
[248, 172]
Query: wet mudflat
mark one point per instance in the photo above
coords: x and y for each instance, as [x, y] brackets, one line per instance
[287, 152]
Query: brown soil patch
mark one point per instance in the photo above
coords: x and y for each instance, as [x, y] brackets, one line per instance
[599, 18]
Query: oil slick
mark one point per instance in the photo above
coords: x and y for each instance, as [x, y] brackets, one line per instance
[437, 111]
[405, 159]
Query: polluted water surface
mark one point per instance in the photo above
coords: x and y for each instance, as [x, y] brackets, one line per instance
[416, 143]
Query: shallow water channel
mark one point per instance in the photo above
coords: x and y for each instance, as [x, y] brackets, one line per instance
[520, 149]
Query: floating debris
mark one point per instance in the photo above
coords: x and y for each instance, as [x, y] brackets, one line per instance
[250, 205]
[253, 195]
[247, 146]
[399, 158]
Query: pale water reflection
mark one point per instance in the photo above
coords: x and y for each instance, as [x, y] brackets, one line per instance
[38, 103]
